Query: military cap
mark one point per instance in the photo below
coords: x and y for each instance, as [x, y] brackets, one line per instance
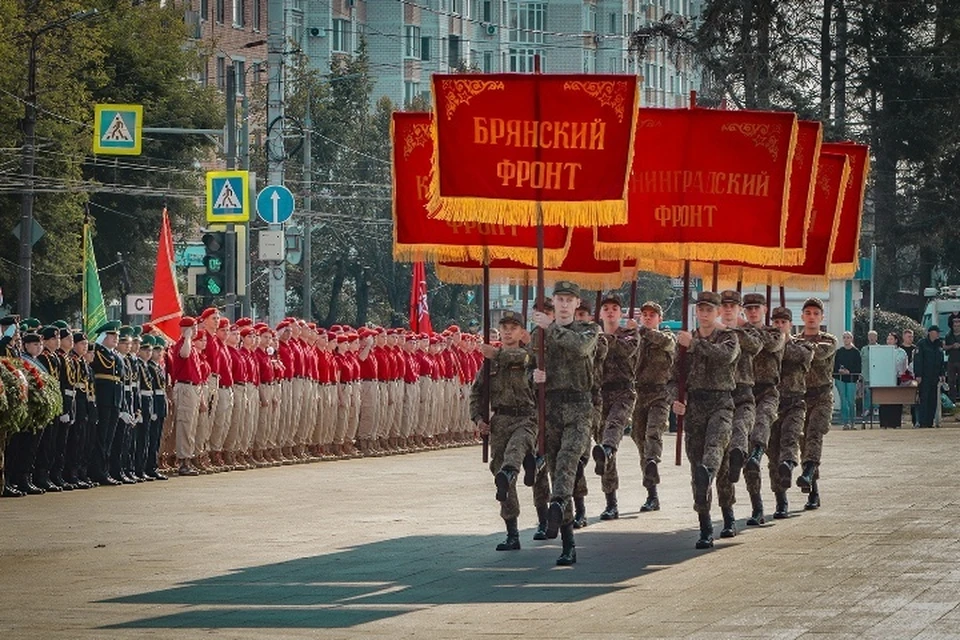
[78, 337]
[209, 311]
[64, 332]
[137, 331]
[60, 324]
[6, 321]
[146, 342]
[113, 326]
[511, 316]
[126, 332]
[754, 300]
[708, 297]
[48, 333]
[566, 287]
[158, 343]
[187, 322]
[29, 338]
[813, 302]
[31, 323]
[652, 306]
[223, 323]
[730, 297]
[474, 323]
[611, 298]
[782, 313]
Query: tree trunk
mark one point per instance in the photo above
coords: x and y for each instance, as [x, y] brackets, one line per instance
[363, 297]
[825, 62]
[840, 92]
[748, 55]
[336, 287]
[764, 12]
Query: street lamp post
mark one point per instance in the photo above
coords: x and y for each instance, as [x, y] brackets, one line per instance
[25, 293]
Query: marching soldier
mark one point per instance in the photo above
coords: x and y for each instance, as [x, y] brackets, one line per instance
[568, 375]
[619, 380]
[785, 431]
[651, 414]
[766, 396]
[819, 399]
[511, 424]
[710, 374]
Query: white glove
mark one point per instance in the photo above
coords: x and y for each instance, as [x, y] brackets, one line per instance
[65, 418]
[153, 417]
[126, 417]
[139, 419]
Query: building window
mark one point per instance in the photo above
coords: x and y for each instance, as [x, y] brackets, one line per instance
[487, 61]
[486, 10]
[454, 44]
[522, 60]
[238, 11]
[204, 10]
[527, 22]
[589, 61]
[425, 48]
[613, 24]
[257, 71]
[590, 18]
[410, 91]
[257, 16]
[220, 11]
[240, 69]
[221, 73]
[411, 42]
[341, 36]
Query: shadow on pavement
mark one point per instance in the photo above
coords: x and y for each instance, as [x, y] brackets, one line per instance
[375, 581]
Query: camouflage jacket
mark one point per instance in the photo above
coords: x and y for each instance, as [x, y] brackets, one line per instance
[599, 358]
[570, 354]
[510, 383]
[750, 346]
[766, 364]
[710, 363]
[825, 349]
[797, 358]
[657, 351]
[623, 350]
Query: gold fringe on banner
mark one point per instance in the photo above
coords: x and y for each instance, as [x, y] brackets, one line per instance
[847, 270]
[700, 251]
[523, 213]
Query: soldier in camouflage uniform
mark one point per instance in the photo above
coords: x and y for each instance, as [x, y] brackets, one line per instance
[819, 398]
[744, 407]
[786, 429]
[568, 376]
[619, 392]
[535, 473]
[766, 376]
[580, 490]
[709, 366]
[651, 414]
[512, 427]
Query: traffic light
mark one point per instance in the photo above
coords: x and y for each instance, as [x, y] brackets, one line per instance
[212, 281]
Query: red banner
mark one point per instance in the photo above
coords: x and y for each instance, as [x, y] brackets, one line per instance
[579, 266]
[419, 308]
[846, 252]
[508, 144]
[417, 236]
[803, 178]
[167, 310]
[708, 185]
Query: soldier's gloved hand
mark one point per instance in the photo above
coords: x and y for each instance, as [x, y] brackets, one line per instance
[679, 408]
[65, 418]
[539, 376]
[684, 338]
[139, 419]
[632, 324]
[483, 427]
[541, 319]
[488, 351]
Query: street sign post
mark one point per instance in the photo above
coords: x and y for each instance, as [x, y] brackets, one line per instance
[275, 204]
[227, 199]
[139, 304]
[118, 129]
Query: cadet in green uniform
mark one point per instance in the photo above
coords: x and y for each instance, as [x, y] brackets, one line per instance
[146, 411]
[46, 452]
[619, 391]
[512, 427]
[709, 367]
[766, 376]
[819, 398]
[568, 375]
[108, 389]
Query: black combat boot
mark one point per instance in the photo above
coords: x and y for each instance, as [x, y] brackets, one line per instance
[554, 518]
[10, 491]
[808, 477]
[541, 532]
[601, 457]
[785, 470]
[813, 500]
[512, 543]
[611, 512]
[504, 480]
[702, 479]
[568, 555]
[756, 518]
[783, 507]
[753, 462]
[529, 469]
[706, 532]
[579, 513]
[729, 523]
[736, 464]
[653, 501]
[650, 473]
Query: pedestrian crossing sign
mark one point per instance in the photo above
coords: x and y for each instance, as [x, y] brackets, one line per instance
[227, 199]
[118, 129]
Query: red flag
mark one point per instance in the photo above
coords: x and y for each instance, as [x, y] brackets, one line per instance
[419, 309]
[167, 309]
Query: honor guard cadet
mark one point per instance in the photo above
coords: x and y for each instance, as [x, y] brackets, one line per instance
[145, 402]
[709, 367]
[65, 424]
[159, 383]
[512, 427]
[744, 407]
[108, 389]
[46, 452]
[785, 431]
[9, 336]
[651, 414]
[819, 398]
[619, 391]
[75, 462]
[120, 453]
[766, 396]
[568, 375]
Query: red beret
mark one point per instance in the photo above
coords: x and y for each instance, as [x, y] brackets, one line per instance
[312, 326]
[343, 337]
[245, 322]
[453, 329]
[283, 325]
[187, 321]
[336, 328]
[209, 311]
[223, 323]
[201, 335]
[353, 336]
[263, 330]
[245, 331]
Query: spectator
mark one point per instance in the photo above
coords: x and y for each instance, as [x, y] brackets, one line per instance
[928, 368]
[891, 414]
[951, 345]
[911, 349]
[865, 369]
[846, 372]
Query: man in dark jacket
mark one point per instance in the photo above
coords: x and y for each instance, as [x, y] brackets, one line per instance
[928, 369]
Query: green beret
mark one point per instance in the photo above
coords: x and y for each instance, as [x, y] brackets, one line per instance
[31, 323]
[60, 324]
[137, 331]
[126, 332]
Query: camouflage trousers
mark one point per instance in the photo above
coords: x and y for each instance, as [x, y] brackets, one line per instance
[511, 439]
[767, 398]
[706, 433]
[817, 423]
[744, 416]
[651, 418]
[784, 437]
[567, 438]
[541, 487]
[617, 414]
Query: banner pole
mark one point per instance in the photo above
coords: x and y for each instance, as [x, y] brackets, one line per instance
[485, 401]
[681, 357]
[541, 347]
[633, 296]
[716, 275]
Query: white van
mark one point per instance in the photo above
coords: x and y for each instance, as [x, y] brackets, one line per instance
[941, 305]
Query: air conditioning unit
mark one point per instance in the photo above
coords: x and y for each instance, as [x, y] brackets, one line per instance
[596, 39]
[491, 29]
[316, 32]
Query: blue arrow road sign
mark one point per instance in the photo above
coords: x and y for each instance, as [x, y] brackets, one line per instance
[275, 204]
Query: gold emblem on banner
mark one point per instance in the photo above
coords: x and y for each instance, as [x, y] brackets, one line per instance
[418, 137]
[460, 92]
[608, 93]
[763, 135]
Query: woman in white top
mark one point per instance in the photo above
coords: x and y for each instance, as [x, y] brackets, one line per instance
[890, 414]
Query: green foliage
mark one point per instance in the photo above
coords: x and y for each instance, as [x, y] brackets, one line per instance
[884, 322]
